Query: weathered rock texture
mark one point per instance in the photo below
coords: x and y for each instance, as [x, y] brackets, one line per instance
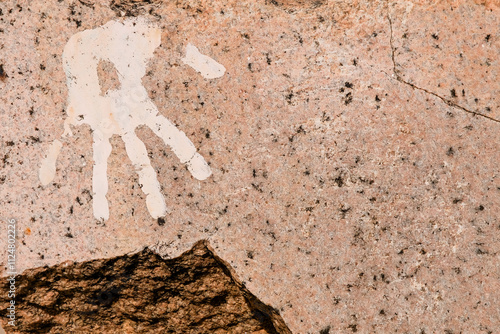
[139, 293]
[354, 146]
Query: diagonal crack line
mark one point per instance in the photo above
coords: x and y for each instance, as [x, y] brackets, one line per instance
[400, 79]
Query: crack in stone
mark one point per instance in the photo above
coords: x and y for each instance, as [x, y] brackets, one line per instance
[400, 79]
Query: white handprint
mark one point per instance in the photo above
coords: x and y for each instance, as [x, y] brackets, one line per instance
[128, 45]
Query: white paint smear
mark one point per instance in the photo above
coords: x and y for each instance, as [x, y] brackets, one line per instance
[128, 45]
[48, 168]
[208, 68]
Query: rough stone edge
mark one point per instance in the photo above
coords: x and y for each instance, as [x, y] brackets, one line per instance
[273, 322]
[271, 314]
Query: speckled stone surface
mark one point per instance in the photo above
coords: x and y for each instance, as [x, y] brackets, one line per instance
[354, 150]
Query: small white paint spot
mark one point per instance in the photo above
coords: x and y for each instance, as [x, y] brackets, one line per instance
[208, 68]
[48, 168]
[128, 45]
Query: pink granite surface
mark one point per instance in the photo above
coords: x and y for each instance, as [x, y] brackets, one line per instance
[354, 148]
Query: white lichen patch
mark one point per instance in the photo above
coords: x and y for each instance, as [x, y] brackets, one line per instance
[128, 45]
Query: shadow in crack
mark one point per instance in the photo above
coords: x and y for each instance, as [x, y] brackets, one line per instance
[139, 293]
